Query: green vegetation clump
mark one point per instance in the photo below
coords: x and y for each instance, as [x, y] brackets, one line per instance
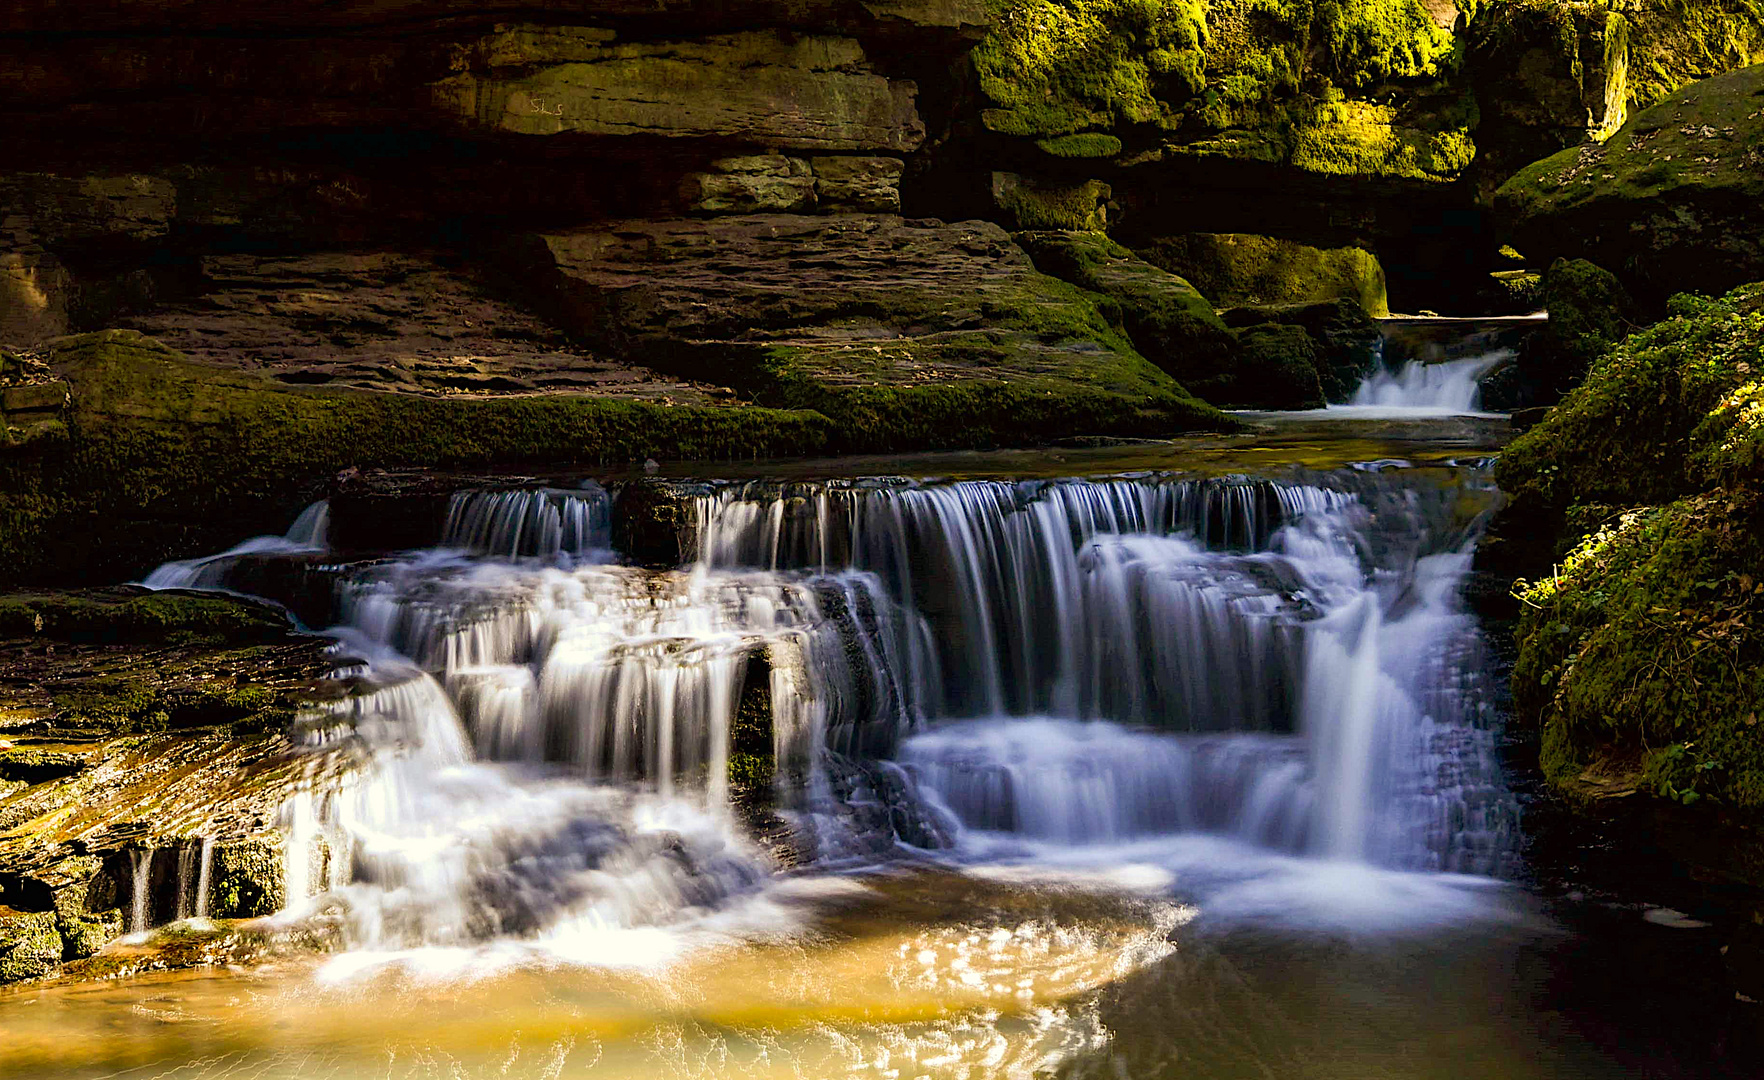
[1642, 656]
[1054, 67]
[1641, 653]
[1090, 144]
[1624, 437]
[1258, 79]
[1673, 43]
[1244, 270]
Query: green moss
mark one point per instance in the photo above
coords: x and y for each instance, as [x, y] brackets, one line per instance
[1275, 368]
[170, 459]
[30, 946]
[1241, 269]
[1053, 67]
[84, 934]
[1090, 144]
[1052, 204]
[247, 879]
[122, 704]
[1727, 448]
[1623, 436]
[173, 618]
[1169, 321]
[1647, 645]
[1348, 344]
[1673, 43]
[1674, 199]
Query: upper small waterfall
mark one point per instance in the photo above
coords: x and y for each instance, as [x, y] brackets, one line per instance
[1448, 386]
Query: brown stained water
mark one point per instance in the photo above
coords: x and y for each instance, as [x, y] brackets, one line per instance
[915, 973]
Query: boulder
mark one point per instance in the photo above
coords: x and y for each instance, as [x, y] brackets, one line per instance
[761, 87]
[1241, 269]
[1032, 203]
[1348, 344]
[858, 184]
[1170, 322]
[761, 183]
[1673, 201]
[904, 332]
[1276, 368]
[30, 946]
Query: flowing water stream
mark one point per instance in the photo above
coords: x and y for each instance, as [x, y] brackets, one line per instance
[1135, 775]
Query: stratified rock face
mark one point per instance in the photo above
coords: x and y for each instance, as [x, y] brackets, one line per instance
[861, 313]
[1673, 201]
[1235, 270]
[810, 93]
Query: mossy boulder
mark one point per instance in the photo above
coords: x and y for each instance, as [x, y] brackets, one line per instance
[1642, 655]
[249, 878]
[1275, 368]
[1051, 202]
[1346, 340]
[1673, 201]
[1589, 313]
[1624, 436]
[1170, 322]
[1242, 269]
[30, 945]
[1262, 82]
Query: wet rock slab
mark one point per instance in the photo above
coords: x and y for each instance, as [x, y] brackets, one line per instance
[144, 754]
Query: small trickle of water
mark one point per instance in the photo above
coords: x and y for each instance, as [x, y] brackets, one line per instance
[308, 533]
[140, 874]
[205, 865]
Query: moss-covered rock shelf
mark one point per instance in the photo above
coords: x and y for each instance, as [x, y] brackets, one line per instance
[1641, 649]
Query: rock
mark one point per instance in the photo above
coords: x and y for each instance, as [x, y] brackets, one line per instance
[903, 332]
[858, 184]
[1170, 322]
[1239, 269]
[1673, 201]
[1276, 368]
[757, 184]
[1546, 75]
[1051, 204]
[83, 935]
[1649, 423]
[171, 459]
[762, 87]
[30, 946]
[248, 878]
[1348, 342]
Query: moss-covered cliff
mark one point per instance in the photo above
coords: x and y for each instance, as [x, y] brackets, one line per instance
[1641, 651]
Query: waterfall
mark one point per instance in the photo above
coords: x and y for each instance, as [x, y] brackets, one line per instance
[1419, 387]
[1282, 663]
[307, 534]
[140, 873]
[205, 866]
[547, 523]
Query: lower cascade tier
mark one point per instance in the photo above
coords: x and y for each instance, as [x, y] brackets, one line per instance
[553, 739]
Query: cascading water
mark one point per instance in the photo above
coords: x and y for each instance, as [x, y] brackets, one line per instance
[1425, 389]
[549, 735]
